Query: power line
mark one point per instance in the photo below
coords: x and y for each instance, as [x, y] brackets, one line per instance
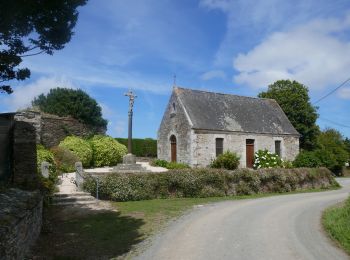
[334, 90]
[335, 123]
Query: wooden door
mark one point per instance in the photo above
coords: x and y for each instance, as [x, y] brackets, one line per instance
[173, 148]
[250, 153]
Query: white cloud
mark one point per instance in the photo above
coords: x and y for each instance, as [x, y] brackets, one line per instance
[24, 94]
[344, 93]
[315, 54]
[213, 74]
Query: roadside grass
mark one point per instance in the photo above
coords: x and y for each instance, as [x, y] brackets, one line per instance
[83, 233]
[336, 221]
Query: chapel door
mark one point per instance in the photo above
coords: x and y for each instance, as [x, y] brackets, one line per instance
[250, 153]
[173, 148]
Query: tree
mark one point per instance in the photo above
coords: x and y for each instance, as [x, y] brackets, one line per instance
[331, 142]
[293, 97]
[347, 146]
[331, 152]
[32, 27]
[71, 102]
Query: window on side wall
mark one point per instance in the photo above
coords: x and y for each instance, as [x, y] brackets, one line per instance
[219, 143]
[278, 148]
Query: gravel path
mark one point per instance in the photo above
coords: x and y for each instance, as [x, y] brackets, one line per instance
[279, 227]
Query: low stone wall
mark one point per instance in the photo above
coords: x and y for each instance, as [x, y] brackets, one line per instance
[20, 222]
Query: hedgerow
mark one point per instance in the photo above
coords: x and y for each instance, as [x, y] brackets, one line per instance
[141, 147]
[208, 182]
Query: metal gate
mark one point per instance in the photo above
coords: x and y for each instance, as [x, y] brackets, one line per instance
[6, 145]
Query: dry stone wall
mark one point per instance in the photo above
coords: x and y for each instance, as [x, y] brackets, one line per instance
[51, 129]
[20, 222]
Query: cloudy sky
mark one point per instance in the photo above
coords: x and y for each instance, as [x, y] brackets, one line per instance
[237, 47]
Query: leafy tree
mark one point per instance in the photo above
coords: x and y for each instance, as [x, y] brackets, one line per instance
[294, 99]
[331, 141]
[71, 102]
[32, 27]
[347, 145]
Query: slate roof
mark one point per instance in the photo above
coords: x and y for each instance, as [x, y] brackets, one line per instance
[225, 112]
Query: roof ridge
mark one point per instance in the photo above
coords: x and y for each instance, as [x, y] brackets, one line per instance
[225, 94]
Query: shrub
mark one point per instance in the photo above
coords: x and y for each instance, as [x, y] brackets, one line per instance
[228, 160]
[169, 165]
[160, 163]
[307, 159]
[176, 165]
[48, 184]
[208, 182]
[106, 151]
[64, 159]
[80, 147]
[265, 159]
[141, 147]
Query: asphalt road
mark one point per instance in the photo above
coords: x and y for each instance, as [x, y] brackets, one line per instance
[279, 227]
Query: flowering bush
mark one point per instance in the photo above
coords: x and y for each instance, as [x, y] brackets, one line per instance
[265, 159]
[106, 151]
[80, 147]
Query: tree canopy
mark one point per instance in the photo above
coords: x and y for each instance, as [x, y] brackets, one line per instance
[71, 102]
[293, 97]
[32, 27]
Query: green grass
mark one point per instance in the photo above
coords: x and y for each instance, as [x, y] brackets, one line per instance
[84, 233]
[336, 221]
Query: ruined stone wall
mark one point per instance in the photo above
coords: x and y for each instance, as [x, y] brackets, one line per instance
[51, 129]
[20, 222]
[204, 150]
[24, 157]
[175, 123]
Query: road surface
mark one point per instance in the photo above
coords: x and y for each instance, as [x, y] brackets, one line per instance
[279, 227]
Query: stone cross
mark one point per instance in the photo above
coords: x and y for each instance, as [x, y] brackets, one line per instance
[132, 97]
[45, 169]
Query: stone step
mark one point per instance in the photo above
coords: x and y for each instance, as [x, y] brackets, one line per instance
[78, 193]
[73, 199]
[73, 203]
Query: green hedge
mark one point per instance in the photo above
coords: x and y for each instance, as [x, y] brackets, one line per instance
[208, 182]
[141, 147]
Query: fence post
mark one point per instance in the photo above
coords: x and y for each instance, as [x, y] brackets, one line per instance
[97, 183]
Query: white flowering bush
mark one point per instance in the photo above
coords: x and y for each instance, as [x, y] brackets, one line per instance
[265, 159]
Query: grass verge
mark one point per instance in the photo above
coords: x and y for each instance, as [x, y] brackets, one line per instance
[83, 233]
[336, 221]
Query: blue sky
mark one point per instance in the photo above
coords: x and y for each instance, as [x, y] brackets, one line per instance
[237, 47]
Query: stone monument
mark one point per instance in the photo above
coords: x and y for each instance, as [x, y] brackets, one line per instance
[129, 161]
